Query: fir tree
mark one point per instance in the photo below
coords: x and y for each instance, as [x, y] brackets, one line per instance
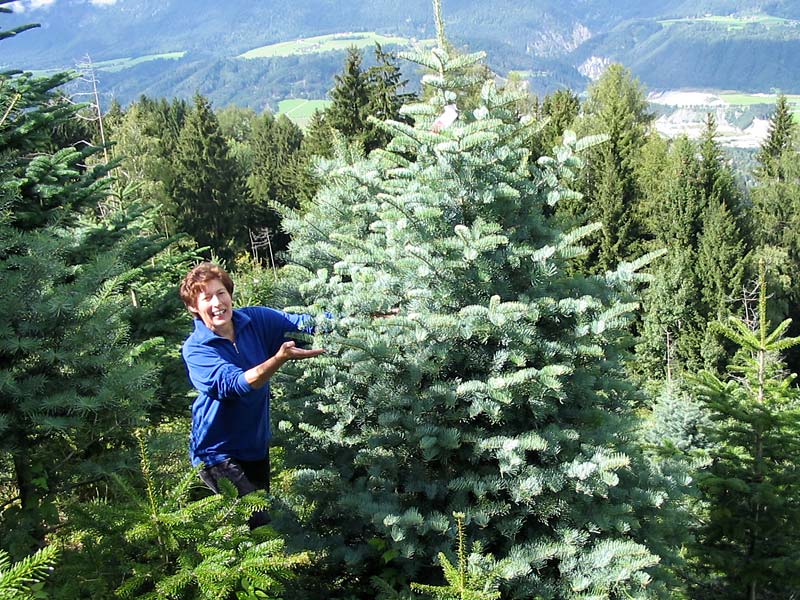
[151, 535]
[209, 199]
[473, 577]
[750, 532]
[349, 98]
[720, 270]
[689, 210]
[317, 140]
[277, 168]
[496, 391]
[615, 107]
[779, 139]
[559, 109]
[775, 222]
[672, 326]
[385, 96]
[143, 164]
[716, 176]
[73, 369]
[359, 94]
[672, 329]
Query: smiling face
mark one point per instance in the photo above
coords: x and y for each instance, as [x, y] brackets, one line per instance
[214, 305]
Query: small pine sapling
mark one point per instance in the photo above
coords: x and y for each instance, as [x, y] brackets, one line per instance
[752, 488]
[473, 577]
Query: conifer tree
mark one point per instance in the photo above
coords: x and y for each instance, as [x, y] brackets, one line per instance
[779, 139]
[692, 215]
[673, 324]
[616, 107]
[752, 488]
[496, 390]
[143, 164]
[349, 98]
[359, 94]
[276, 174]
[722, 246]
[775, 195]
[209, 198]
[23, 579]
[317, 140]
[672, 331]
[717, 178]
[720, 269]
[73, 380]
[560, 109]
[151, 538]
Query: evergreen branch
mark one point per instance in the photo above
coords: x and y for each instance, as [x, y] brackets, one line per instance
[16, 579]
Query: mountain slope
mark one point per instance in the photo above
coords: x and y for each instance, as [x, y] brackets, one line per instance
[666, 43]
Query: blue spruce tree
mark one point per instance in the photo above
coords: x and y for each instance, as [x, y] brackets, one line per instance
[490, 384]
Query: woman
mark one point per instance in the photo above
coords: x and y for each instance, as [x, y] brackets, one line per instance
[230, 357]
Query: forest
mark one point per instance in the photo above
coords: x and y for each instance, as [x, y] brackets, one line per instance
[581, 384]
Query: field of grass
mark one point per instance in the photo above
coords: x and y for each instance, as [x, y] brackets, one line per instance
[299, 110]
[750, 99]
[324, 43]
[731, 22]
[119, 64]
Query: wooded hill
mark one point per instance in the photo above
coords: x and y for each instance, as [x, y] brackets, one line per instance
[666, 44]
[560, 348]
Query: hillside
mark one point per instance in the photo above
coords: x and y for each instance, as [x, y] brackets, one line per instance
[193, 45]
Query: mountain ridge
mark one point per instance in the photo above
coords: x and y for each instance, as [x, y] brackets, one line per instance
[563, 43]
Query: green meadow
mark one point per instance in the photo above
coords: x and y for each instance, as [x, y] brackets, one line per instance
[731, 22]
[750, 99]
[119, 64]
[324, 43]
[300, 110]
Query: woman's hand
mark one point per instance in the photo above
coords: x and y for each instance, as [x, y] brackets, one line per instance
[260, 374]
[290, 351]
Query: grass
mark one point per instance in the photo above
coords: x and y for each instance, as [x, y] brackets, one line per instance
[750, 99]
[732, 22]
[120, 64]
[299, 110]
[324, 43]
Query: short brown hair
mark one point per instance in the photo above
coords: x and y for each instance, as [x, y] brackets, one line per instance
[198, 277]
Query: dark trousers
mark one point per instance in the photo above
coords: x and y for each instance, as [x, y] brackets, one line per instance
[246, 476]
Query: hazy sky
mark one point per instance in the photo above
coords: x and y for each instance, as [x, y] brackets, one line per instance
[26, 5]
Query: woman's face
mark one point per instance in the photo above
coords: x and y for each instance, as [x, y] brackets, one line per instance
[214, 306]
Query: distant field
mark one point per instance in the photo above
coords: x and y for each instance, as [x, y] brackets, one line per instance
[299, 110]
[119, 64]
[731, 22]
[749, 99]
[323, 43]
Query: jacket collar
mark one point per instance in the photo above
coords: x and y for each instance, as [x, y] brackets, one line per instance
[203, 334]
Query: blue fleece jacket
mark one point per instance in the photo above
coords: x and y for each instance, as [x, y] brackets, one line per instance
[230, 419]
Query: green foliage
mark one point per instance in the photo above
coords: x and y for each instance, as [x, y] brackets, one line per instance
[74, 376]
[559, 109]
[208, 195]
[615, 107]
[778, 141]
[276, 178]
[496, 391]
[471, 578]
[145, 137]
[349, 97]
[690, 207]
[749, 533]
[23, 580]
[150, 539]
[359, 94]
